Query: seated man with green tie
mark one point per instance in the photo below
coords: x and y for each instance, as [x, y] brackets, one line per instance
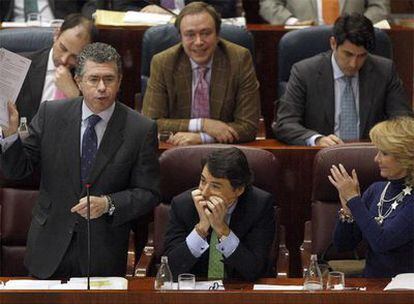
[225, 227]
[341, 94]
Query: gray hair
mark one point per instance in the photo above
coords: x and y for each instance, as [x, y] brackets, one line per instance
[100, 53]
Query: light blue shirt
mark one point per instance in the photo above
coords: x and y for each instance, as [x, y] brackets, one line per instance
[195, 123]
[339, 87]
[198, 245]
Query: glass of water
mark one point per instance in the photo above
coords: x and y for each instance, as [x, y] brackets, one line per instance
[186, 281]
[34, 19]
[336, 280]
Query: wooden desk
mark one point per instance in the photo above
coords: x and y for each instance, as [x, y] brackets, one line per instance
[141, 291]
[127, 41]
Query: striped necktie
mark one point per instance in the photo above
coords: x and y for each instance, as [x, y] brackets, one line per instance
[201, 102]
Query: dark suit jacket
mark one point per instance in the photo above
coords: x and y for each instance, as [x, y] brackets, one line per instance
[252, 222]
[308, 105]
[60, 8]
[30, 95]
[234, 90]
[126, 167]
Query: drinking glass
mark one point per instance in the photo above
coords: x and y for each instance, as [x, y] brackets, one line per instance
[336, 280]
[163, 136]
[34, 19]
[186, 281]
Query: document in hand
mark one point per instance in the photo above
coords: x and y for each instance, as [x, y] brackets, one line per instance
[13, 70]
[403, 281]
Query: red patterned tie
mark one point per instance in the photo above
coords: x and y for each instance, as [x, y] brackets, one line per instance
[201, 104]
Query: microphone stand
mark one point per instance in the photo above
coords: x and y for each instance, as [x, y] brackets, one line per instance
[88, 226]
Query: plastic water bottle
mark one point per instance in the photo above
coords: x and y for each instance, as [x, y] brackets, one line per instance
[23, 129]
[312, 275]
[164, 279]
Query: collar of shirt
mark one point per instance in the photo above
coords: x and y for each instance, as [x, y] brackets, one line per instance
[104, 115]
[50, 64]
[100, 127]
[195, 65]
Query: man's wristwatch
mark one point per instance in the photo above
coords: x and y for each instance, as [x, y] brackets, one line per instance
[111, 205]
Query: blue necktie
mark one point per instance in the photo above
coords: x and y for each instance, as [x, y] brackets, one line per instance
[348, 122]
[168, 4]
[89, 147]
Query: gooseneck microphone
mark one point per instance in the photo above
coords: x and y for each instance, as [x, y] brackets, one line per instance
[88, 229]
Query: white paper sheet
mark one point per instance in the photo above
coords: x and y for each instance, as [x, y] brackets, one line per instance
[277, 287]
[13, 70]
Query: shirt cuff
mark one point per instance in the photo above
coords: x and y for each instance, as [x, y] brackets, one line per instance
[311, 140]
[228, 245]
[196, 244]
[8, 141]
[207, 139]
[291, 21]
[195, 125]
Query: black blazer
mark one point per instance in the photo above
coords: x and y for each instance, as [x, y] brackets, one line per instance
[252, 222]
[126, 167]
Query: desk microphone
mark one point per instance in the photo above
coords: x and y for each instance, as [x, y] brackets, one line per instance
[160, 6]
[88, 225]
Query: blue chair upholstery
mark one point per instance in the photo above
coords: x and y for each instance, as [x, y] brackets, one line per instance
[301, 44]
[158, 38]
[20, 40]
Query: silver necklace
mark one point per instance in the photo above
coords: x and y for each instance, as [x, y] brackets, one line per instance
[397, 200]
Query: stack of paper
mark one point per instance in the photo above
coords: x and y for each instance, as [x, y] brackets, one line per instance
[277, 287]
[73, 284]
[404, 281]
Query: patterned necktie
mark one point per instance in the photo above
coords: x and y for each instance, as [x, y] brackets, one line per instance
[215, 264]
[201, 103]
[348, 122]
[330, 11]
[89, 147]
[30, 6]
[168, 4]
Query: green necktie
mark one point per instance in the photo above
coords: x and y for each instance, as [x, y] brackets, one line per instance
[215, 264]
[30, 6]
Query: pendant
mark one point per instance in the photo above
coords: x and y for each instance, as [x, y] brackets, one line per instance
[379, 219]
[407, 190]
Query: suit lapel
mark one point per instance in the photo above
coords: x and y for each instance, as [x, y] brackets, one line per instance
[37, 77]
[326, 90]
[71, 145]
[367, 83]
[183, 85]
[111, 141]
[238, 218]
[218, 82]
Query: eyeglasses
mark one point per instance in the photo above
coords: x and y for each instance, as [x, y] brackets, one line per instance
[94, 81]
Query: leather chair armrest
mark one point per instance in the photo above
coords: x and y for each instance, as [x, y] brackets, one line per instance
[283, 255]
[306, 247]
